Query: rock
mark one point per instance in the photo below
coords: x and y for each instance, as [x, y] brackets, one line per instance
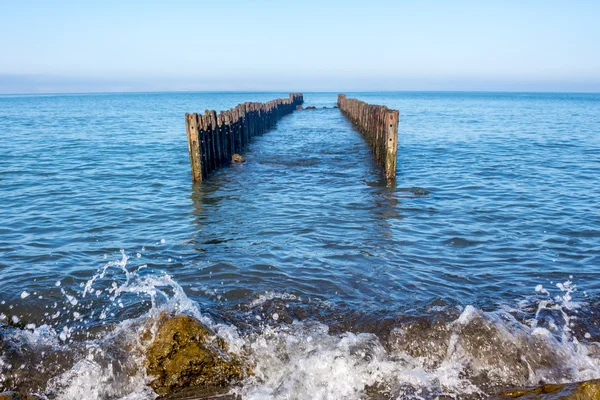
[18, 396]
[336, 107]
[299, 108]
[201, 393]
[185, 354]
[311, 108]
[418, 190]
[236, 158]
[324, 107]
[588, 390]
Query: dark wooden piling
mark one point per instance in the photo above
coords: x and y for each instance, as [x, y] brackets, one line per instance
[214, 138]
[379, 126]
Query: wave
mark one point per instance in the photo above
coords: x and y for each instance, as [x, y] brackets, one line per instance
[464, 353]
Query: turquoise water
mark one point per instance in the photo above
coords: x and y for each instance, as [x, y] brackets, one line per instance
[305, 229]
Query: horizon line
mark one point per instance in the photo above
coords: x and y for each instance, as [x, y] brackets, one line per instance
[299, 91]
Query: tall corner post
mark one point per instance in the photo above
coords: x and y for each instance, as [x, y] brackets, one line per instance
[191, 128]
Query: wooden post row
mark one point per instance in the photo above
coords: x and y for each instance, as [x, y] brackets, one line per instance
[214, 138]
[379, 126]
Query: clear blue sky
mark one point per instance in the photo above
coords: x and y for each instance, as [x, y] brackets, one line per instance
[64, 46]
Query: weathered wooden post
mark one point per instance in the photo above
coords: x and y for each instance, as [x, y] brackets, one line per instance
[379, 126]
[227, 118]
[391, 140]
[209, 152]
[194, 147]
[202, 127]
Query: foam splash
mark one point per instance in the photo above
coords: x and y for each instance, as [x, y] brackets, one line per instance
[109, 365]
[471, 356]
[299, 360]
[304, 361]
[271, 295]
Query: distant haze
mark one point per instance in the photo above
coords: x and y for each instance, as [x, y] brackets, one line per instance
[74, 46]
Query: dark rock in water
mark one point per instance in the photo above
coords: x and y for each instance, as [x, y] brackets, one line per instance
[418, 190]
[324, 107]
[335, 107]
[236, 158]
[18, 396]
[185, 354]
[299, 108]
[588, 390]
[311, 108]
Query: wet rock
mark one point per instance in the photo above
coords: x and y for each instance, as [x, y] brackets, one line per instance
[29, 364]
[336, 107]
[299, 108]
[185, 354]
[588, 390]
[418, 190]
[201, 393]
[277, 311]
[422, 338]
[18, 396]
[236, 158]
[311, 108]
[324, 107]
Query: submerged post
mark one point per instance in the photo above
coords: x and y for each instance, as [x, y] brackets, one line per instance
[379, 126]
[214, 138]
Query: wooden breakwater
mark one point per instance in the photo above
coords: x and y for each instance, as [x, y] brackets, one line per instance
[379, 125]
[214, 138]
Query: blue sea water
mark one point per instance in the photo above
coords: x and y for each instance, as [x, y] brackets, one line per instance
[305, 229]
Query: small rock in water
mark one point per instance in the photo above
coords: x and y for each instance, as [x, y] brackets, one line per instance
[185, 354]
[418, 190]
[299, 108]
[236, 158]
[311, 108]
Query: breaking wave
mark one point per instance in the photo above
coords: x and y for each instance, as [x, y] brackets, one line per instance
[88, 345]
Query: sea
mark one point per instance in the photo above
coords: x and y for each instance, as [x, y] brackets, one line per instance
[479, 271]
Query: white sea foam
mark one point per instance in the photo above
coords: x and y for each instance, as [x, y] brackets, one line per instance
[271, 295]
[304, 361]
[274, 295]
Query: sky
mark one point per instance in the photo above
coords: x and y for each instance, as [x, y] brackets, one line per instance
[306, 45]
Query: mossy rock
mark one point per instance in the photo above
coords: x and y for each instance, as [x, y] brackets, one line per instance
[588, 390]
[184, 353]
[236, 158]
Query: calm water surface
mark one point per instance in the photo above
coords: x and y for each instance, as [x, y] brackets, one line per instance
[508, 239]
